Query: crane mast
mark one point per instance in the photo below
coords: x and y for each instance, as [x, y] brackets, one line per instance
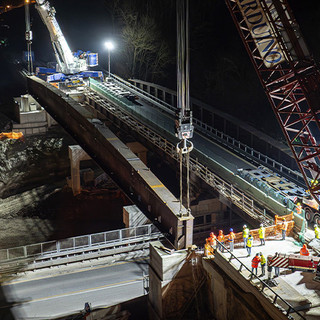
[28, 36]
[184, 127]
[288, 75]
[67, 62]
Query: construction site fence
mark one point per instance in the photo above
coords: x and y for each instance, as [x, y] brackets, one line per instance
[69, 245]
[227, 190]
[261, 285]
[271, 232]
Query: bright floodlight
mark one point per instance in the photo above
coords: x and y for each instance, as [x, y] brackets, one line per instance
[109, 45]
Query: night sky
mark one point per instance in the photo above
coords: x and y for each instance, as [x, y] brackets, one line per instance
[221, 72]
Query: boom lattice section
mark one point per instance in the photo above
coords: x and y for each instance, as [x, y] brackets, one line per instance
[288, 75]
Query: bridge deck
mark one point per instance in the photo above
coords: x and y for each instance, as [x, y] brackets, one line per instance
[165, 122]
[218, 159]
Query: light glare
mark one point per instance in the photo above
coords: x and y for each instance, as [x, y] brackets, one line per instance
[109, 45]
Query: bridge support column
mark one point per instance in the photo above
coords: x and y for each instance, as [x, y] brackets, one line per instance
[232, 294]
[164, 266]
[76, 154]
[134, 217]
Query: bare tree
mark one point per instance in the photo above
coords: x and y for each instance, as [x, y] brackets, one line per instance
[145, 50]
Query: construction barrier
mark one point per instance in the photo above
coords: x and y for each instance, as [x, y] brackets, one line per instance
[271, 232]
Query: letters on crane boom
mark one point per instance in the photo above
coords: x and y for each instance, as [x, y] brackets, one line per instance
[262, 31]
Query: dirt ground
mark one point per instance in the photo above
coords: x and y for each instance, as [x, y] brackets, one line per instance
[36, 205]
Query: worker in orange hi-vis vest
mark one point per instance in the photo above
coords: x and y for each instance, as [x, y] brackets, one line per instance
[208, 250]
[284, 226]
[212, 240]
[254, 263]
[221, 240]
[304, 251]
[231, 237]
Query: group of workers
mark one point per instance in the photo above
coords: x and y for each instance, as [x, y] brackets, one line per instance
[248, 239]
[212, 244]
[258, 258]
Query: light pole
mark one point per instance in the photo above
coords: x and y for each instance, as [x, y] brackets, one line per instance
[109, 45]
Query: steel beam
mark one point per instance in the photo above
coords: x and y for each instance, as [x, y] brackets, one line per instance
[116, 159]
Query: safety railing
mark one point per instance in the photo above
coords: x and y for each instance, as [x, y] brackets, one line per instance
[237, 197]
[81, 244]
[261, 285]
[144, 95]
[246, 151]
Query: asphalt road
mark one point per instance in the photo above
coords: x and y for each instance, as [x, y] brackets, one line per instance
[54, 294]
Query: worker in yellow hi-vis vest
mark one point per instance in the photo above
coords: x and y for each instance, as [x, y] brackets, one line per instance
[262, 234]
[284, 226]
[245, 235]
[316, 231]
[299, 208]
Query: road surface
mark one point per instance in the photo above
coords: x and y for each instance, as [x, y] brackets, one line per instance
[55, 293]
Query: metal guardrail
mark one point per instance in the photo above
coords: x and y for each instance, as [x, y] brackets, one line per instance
[148, 97]
[264, 285]
[80, 245]
[247, 152]
[227, 190]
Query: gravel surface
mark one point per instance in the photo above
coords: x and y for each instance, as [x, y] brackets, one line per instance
[36, 205]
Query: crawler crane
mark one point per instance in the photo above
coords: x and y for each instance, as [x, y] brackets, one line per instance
[289, 76]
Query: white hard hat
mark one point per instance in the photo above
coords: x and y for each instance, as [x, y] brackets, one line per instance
[261, 225]
[244, 225]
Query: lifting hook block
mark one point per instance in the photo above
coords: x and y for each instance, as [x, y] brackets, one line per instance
[184, 146]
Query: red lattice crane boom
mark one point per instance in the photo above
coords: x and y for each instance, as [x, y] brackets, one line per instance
[288, 75]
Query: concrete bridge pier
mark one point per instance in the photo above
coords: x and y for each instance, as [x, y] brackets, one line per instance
[134, 217]
[76, 154]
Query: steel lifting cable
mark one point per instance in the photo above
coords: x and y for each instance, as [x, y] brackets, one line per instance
[188, 182]
[185, 150]
[184, 114]
[181, 178]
